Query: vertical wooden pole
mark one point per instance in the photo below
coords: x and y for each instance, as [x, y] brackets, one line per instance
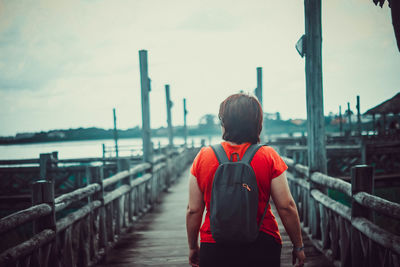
[373, 123]
[340, 120]
[259, 86]
[54, 157]
[362, 180]
[45, 162]
[169, 117]
[43, 192]
[259, 95]
[145, 88]
[184, 121]
[349, 116]
[115, 134]
[358, 116]
[314, 92]
[315, 108]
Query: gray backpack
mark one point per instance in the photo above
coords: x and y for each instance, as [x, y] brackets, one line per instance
[234, 198]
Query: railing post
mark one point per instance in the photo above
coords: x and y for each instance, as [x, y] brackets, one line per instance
[97, 176]
[362, 180]
[43, 192]
[45, 162]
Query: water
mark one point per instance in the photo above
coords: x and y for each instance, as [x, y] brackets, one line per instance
[91, 148]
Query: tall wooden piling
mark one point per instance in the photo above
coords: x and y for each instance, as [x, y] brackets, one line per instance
[358, 116]
[259, 95]
[314, 94]
[115, 133]
[185, 133]
[169, 117]
[145, 89]
[340, 120]
[349, 116]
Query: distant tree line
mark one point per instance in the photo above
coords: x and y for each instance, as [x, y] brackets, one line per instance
[208, 125]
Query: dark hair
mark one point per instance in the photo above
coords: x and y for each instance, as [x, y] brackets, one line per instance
[241, 115]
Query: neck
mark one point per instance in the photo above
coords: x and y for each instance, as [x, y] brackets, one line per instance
[232, 143]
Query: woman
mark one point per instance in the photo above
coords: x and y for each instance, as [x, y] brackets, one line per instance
[241, 119]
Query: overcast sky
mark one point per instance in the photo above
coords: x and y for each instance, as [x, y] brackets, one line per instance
[66, 64]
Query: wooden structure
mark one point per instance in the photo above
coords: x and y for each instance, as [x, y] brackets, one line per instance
[169, 116]
[383, 127]
[159, 238]
[314, 92]
[115, 133]
[345, 234]
[82, 236]
[145, 90]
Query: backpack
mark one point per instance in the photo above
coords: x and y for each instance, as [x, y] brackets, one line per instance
[234, 198]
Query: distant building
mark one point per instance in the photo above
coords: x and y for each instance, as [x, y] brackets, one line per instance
[56, 134]
[23, 136]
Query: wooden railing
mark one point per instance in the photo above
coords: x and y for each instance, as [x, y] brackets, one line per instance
[347, 235]
[82, 236]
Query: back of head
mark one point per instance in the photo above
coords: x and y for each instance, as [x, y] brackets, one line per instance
[241, 116]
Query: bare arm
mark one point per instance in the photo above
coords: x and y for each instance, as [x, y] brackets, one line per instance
[194, 216]
[287, 210]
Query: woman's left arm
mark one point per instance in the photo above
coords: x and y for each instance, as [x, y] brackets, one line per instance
[194, 216]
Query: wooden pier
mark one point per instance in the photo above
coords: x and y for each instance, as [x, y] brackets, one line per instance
[159, 238]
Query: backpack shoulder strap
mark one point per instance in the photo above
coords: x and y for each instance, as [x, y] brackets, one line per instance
[250, 152]
[220, 153]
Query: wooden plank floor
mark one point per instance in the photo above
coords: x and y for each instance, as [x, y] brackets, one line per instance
[159, 238]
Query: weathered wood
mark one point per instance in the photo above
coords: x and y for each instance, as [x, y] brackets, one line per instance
[115, 178]
[169, 117]
[23, 216]
[25, 248]
[331, 204]
[71, 218]
[145, 89]
[378, 204]
[43, 192]
[65, 200]
[116, 193]
[138, 181]
[45, 161]
[377, 234]
[362, 180]
[303, 170]
[314, 93]
[331, 182]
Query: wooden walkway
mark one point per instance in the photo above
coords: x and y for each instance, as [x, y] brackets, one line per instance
[159, 238]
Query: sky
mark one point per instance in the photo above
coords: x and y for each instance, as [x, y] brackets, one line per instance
[67, 64]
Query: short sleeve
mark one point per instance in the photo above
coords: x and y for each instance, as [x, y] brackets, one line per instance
[194, 170]
[278, 166]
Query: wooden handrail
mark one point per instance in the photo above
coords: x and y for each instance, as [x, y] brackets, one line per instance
[378, 204]
[23, 216]
[377, 234]
[104, 209]
[26, 247]
[65, 200]
[331, 182]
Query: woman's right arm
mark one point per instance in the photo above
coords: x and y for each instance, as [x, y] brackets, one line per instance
[287, 210]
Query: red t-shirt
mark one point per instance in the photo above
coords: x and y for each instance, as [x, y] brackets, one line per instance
[267, 165]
